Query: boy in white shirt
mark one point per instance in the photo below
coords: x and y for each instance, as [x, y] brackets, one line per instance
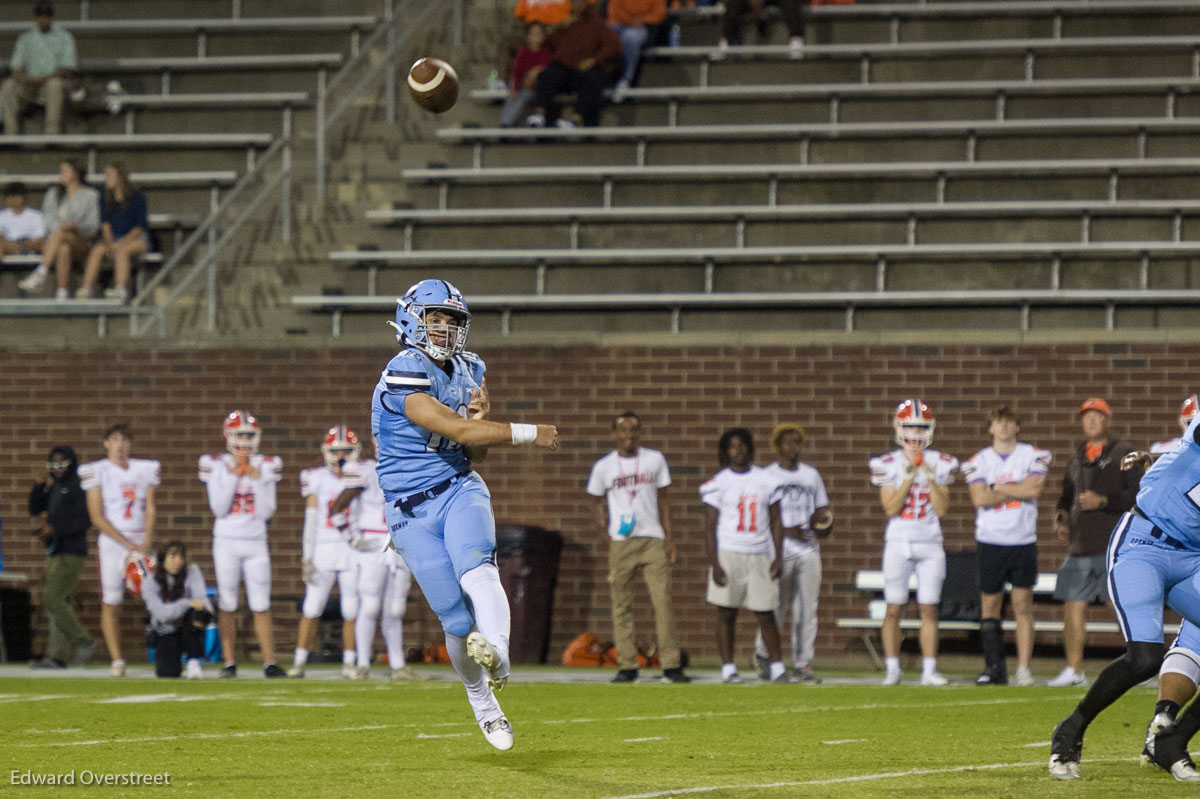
[914, 490]
[744, 549]
[1005, 480]
[22, 230]
[629, 490]
[120, 498]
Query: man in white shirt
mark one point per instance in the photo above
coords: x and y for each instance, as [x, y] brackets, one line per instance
[744, 549]
[805, 516]
[120, 498]
[914, 490]
[629, 486]
[1005, 480]
[21, 229]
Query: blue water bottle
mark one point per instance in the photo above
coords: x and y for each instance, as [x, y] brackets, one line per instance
[676, 35]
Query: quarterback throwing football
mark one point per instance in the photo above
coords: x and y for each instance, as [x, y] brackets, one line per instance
[429, 414]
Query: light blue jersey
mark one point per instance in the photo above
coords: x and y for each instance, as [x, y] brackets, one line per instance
[1169, 495]
[412, 458]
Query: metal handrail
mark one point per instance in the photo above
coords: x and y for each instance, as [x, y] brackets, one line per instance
[325, 119]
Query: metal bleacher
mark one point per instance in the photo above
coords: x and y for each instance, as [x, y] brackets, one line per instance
[1019, 165]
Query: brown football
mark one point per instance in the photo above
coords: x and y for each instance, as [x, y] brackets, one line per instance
[433, 84]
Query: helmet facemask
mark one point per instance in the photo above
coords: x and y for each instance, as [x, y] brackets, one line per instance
[340, 445]
[414, 328]
[915, 434]
[242, 434]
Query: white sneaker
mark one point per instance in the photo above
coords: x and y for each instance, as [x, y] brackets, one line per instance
[480, 650]
[796, 47]
[1024, 677]
[361, 673]
[193, 670]
[83, 293]
[296, 671]
[1068, 677]
[562, 123]
[33, 281]
[61, 295]
[618, 92]
[499, 733]
[348, 671]
[405, 673]
[535, 121]
[117, 293]
[721, 52]
[933, 678]
[117, 669]
[891, 678]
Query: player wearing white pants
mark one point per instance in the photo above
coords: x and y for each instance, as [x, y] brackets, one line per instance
[328, 555]
[241, 486]
[120, 498]
[805, 516]
[913, 484]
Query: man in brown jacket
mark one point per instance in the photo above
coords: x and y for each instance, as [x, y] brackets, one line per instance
[584, 55]
[1095, 492]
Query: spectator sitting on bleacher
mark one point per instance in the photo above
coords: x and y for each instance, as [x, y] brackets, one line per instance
[739, 11]
[584, 51]
[42, 60]
[633, 20]
[22, 231]
[124, 234]
[549, 13]
[71, 211]
[529, 63]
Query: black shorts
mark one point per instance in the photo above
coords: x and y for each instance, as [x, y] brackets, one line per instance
[999, 565]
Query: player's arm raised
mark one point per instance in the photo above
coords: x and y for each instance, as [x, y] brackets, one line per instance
[892, 498]
[425, 411]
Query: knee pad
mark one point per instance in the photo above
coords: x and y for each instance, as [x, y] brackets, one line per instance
[1144, 659]
[314, 605]
[369, 607]
[349, 606]
[1180, 660]
[394, 608]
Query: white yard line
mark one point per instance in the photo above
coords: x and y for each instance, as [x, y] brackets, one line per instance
[885, 775]
[12, 699]
[422, 736]
[205, 736]
[845, 741]
[643, 740]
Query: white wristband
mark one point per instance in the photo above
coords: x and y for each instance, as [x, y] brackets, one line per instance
[523, 433]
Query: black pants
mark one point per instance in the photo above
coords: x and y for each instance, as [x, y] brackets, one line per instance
[737, 12]
[588, 88]
[170, 648]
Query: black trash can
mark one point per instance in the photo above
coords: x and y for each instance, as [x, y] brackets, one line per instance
[527, 558]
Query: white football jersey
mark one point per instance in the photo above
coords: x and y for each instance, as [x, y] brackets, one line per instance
[122, 491]
[1012, 523]
[323, 484]
[1163, 447]
[916, 521]
[631, 487]
[799, 491]
[743, 503]
[371, 499]
[242, 506]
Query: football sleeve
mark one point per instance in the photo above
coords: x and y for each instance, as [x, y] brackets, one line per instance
[88, 479]
[881, 472]
[220, 484]
[946, 467]
[1041, 462]
[971, 471]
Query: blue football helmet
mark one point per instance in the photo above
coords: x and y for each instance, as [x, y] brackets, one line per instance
[413, 329]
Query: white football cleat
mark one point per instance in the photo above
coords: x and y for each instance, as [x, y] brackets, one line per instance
[1160, 722]
[361, 673]
[296, 671]
[405, 673]
[1024, 677]
[499, 733]
[933, 678]
[891, 678]
[1068, 677]
[348, 671]
[117, 669]
[1063, 769]
[480, 650]
[193, 669]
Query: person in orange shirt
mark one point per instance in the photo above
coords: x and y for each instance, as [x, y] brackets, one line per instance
[548, 12]
[633, 21]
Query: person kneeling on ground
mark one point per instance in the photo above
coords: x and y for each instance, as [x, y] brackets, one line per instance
[177, 600]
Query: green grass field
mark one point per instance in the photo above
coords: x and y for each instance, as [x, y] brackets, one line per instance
[326, 737]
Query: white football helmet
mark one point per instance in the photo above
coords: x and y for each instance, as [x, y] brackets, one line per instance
[1188, 410]
[242, 433]
[913, 423]
[340, 445]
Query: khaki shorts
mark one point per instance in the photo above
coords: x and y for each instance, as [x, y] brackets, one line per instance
[748, 583]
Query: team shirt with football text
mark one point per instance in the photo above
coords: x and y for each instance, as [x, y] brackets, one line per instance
[631, 488]
[800, 491]
[122, 491]
[1011, 523]
[241, 504]
[916, 521]
[323, 484]
[743, 501]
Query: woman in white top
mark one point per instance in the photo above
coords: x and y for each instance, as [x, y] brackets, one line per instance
[71, 213]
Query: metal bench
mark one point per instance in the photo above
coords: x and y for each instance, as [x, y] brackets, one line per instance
[130, 104]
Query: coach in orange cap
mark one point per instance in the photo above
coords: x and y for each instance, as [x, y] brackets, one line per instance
[1095, 492]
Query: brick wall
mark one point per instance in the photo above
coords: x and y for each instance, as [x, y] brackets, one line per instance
[686, 396]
